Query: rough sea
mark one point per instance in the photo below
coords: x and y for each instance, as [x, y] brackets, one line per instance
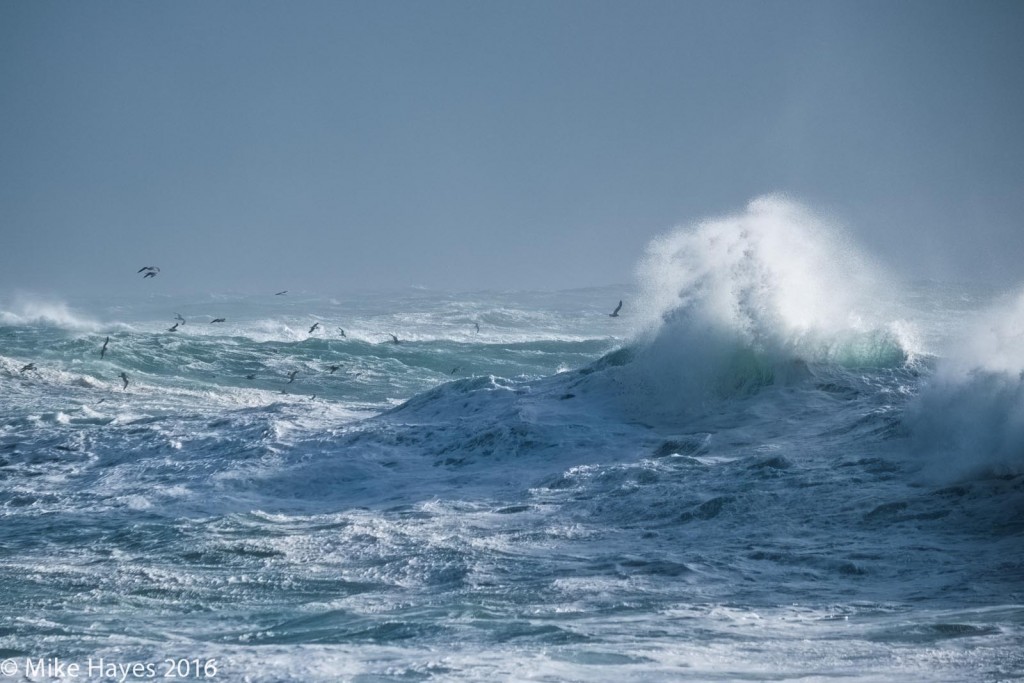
[776, 463]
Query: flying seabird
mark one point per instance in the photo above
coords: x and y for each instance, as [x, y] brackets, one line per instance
[315, 325]
[291, 376]
[253, 376]
[334, 368]
[477, 326]
[150, 271]
[341, 331]
[177, 316]
[615, 313]
[283, 291]
[394, 340]
[455, 369]
[124, 377]
[218, 320]
[173, 329]
[104, 349]
[30, 366]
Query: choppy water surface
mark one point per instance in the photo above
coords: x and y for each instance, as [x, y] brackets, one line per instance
[764, 469]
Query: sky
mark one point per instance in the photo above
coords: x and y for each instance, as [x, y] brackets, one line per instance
[336, 146]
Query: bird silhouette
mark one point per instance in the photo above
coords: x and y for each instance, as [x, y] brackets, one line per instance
[218, 320]
[173, 329]
[103, 351]
[313, 328]
[124, 377]
[615, 313]
[150, 271]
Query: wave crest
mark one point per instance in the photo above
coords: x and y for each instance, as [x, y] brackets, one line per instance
[31, 310]
[735, 303]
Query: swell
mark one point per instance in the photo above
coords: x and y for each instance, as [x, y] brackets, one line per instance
[171, 355]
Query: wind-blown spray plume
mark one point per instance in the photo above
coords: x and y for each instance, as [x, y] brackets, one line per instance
[969, 418]
[31, 310]
[730, 303]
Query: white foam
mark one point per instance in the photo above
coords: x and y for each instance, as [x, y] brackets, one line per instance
[31, 309]
[969, 418]
[776, 275]
[734, 303]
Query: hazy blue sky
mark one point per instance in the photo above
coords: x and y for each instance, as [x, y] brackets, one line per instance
[332, 146]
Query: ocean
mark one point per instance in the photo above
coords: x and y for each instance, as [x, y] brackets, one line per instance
[776, 463]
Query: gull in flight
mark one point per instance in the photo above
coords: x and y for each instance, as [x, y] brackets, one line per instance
[615, 313]
[218, 320]
[124, 377]
[291, 376]
[394, 340]
[150, 271]
[313, 328]
[177, 316]
[104, 349]
[173, 329]
[283, 291]
[30, 366]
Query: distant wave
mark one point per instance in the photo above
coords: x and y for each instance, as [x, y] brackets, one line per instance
[32, 310]
[968, 419]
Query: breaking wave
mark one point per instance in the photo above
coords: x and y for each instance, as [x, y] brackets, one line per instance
[31, 310]
[740, 302]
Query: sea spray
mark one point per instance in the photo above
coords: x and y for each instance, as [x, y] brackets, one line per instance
[737, 303]
[510, 520]
[33, 309]
[968, 420]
